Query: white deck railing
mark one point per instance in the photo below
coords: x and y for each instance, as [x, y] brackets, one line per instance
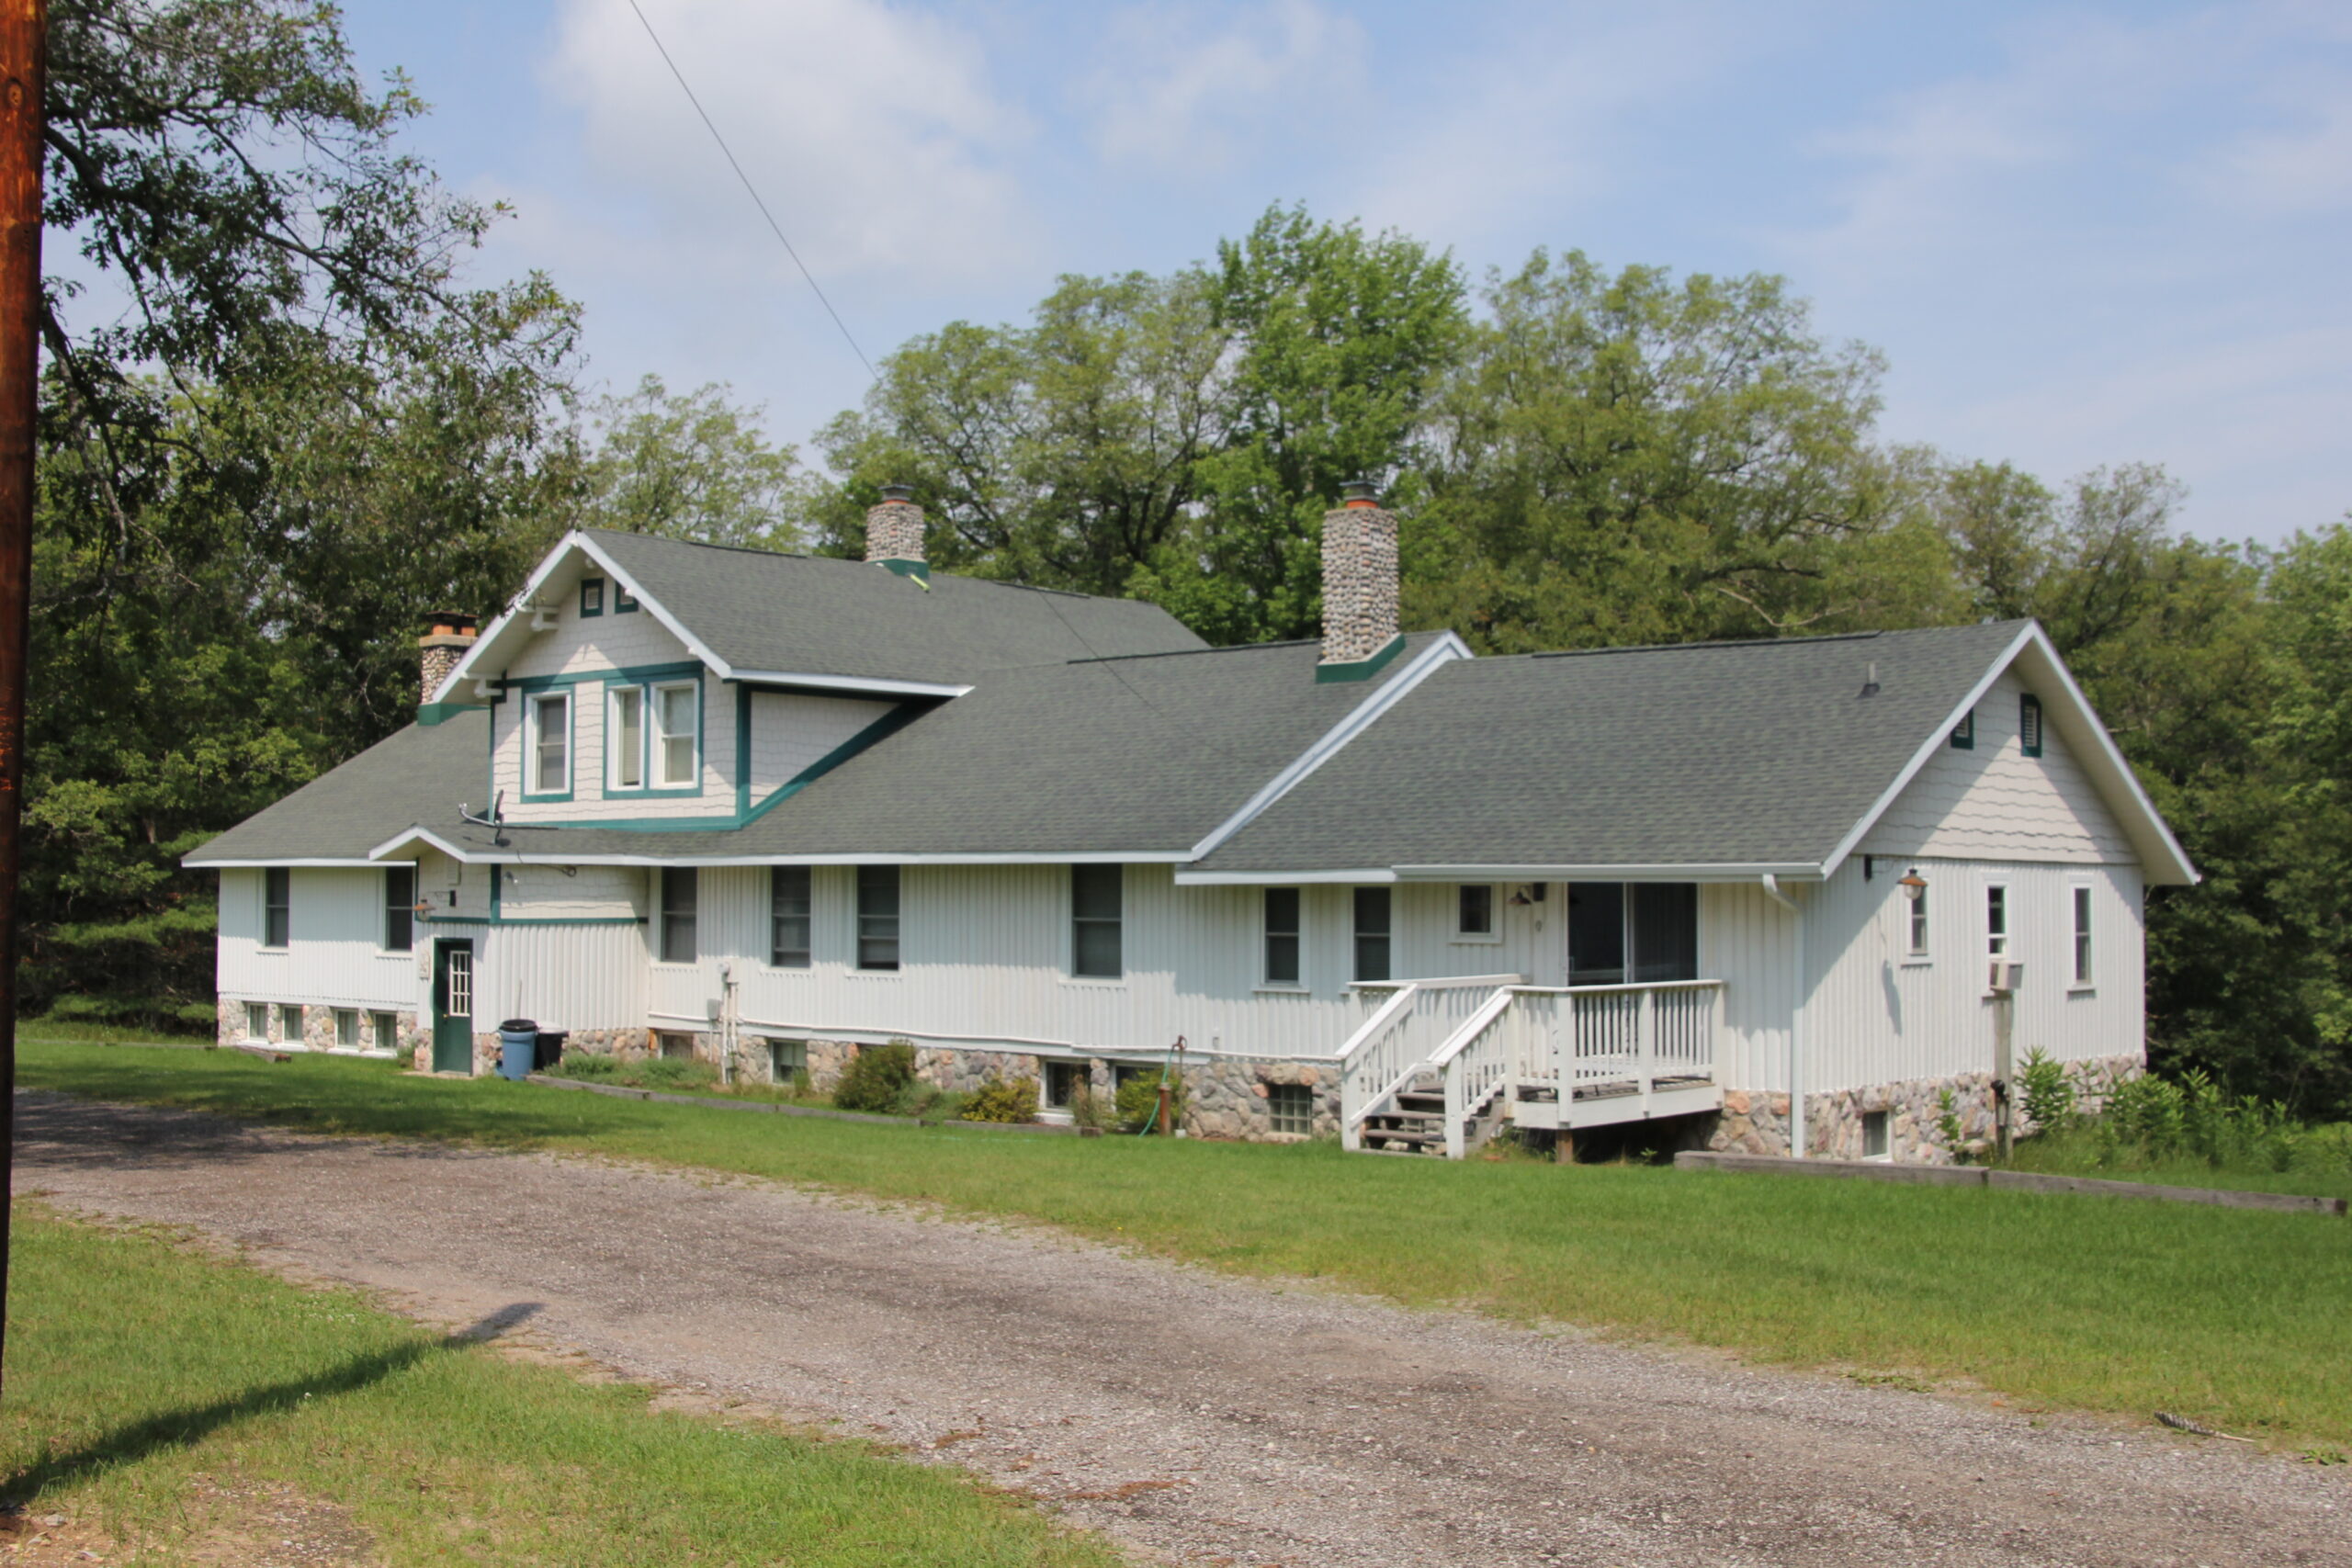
[1406, 1027]
[1587, 1042]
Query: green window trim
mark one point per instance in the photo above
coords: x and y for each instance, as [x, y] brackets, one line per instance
[592, 597]
[2029, 724]
[623, 602]
[1964, 733]
[531, 745]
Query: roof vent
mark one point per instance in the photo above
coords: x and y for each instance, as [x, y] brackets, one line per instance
[1869, 681]
[448, 636]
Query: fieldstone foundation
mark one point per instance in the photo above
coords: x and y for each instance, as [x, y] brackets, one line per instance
[317, 1032]
[1228, 1097]
[1752, 1122]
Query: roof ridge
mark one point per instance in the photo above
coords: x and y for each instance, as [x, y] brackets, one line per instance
[1189, 652]
[844, 560]
[1717, 643]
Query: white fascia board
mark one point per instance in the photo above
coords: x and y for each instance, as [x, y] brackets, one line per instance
[1280, 878]
[313, 861]
[1709, 871]
[1444, 650]
[396, 848]
[517, 855]
[859, 685]
[2105, 762]
[468, 668]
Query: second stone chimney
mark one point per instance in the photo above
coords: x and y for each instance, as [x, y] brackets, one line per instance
[1360, 599]
[894, 533]
[448, 636]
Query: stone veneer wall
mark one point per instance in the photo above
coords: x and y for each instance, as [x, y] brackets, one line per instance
[318, 1026]
[1360, 594]
[1753, 1122]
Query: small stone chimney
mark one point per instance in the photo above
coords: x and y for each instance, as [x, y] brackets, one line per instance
[894, 533]
[448, 634]
[1360, 608]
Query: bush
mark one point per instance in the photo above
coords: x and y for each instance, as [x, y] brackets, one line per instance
[1088, 1108]
[1137, 1103]
[879, 1079]
[2048, 1092]
[1002, 1100]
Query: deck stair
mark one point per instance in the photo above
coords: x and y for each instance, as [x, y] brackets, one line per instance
[1412, 1122]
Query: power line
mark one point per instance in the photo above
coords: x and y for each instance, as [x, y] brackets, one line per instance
[752, 190]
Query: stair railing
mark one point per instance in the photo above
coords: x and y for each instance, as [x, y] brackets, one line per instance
[1394, 1046]
[1476, 1064]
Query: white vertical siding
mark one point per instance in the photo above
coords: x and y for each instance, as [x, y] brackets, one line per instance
[1749, 943]
[1994, 802]
[335, 954]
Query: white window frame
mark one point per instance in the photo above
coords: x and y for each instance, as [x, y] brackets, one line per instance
[2082, 935]
[347, 1039]
[615, 757]
[258, 1011]
[534, 763]
[658, 738]
[1494, 906]
[1069, 928]
[1917, 917]
[2006, 951]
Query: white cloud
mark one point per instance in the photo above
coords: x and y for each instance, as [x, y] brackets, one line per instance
[1181, 92]
[871, 129]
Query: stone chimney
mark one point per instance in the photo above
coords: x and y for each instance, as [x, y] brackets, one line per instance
[894, 533]
[1359, 610]
[448, 634]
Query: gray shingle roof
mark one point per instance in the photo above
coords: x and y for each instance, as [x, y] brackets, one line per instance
[419, 774]
[1720, 753]
[809, 615]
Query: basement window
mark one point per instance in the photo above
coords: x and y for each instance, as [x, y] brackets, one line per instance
[1874, 1135]
[675, 1047]
[787, 1060]
[385, 1030]
[1290, 1107]
[257, 1020]
[346, 1029]
[2029, 724]
[290, 1023]
[1065, 1081]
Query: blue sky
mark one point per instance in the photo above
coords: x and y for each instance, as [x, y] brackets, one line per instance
[2082, 233]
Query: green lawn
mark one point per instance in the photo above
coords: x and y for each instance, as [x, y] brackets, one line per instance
[2231, 1316]
[2078, 1154]
[134, 1365]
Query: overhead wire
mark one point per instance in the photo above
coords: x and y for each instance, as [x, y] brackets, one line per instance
[752, 190]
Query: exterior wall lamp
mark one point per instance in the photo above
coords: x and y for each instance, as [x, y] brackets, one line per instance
[1913, 885]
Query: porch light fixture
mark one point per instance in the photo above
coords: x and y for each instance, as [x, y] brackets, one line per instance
[1913, 885]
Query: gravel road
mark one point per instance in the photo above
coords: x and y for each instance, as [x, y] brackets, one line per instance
[1193, 1417]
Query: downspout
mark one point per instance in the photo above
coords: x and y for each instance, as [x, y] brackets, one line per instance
[1796, 1020]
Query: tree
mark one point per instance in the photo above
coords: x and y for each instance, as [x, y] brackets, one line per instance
[1631, 460]
[692, 465]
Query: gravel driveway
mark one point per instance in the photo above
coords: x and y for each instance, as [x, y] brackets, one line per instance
[1191, 1416]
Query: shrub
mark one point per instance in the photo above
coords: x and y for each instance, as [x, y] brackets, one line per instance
[1002, 1100]
[2048, 1092]
[879, 1077]
[1136, 1105]
[1088, 1108]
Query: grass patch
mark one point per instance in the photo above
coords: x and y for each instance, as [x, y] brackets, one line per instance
[2080, 1151]
[2228, 1316]
[135, 1365]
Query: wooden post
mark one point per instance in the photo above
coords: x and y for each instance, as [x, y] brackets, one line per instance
[1163, 1105]
[2005, 1004]
[24, 42]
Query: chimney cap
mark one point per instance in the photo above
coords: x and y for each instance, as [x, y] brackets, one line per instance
[1359, 491]
[898, 495]
[451, 622]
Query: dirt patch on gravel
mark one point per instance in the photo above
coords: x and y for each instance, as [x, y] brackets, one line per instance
[1191, 1415]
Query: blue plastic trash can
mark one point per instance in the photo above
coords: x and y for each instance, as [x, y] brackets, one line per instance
[518, 1046]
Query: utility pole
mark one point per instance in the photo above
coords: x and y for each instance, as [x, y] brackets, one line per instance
[24, 73]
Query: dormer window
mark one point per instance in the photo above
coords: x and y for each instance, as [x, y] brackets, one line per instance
[591, 596]
[2029, 724]
[676, 735]
[550, 744]
[1964, 733]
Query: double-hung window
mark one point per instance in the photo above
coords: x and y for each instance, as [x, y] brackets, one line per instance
[1096, 894]
[550, 742]
[1372, 933]
[1997, 926]
[1282, 936]
[1918, 922]
[400, 909]
[276, 907]
[2080, 898]
[675, 735]
[878, 917]
[1473, 911]
[679, 894]
[624, 738]
[788, 917]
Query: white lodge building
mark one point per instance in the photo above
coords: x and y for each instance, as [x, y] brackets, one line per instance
[765, 809]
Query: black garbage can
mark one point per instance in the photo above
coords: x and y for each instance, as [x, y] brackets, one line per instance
[550, 1051]
[518, 1045]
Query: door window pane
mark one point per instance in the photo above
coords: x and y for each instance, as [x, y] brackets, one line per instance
[878, 917]
[1282, 936]
[1596, 933]
[788, 912]
[1372, 933]
[1096, 895]
[628, 739]
[680, 892]
[400, 909]
[1663, 917]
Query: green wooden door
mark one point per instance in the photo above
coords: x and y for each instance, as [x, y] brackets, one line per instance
[453, 1007]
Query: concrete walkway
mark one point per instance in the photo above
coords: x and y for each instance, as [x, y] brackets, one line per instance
[1191, 1416]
